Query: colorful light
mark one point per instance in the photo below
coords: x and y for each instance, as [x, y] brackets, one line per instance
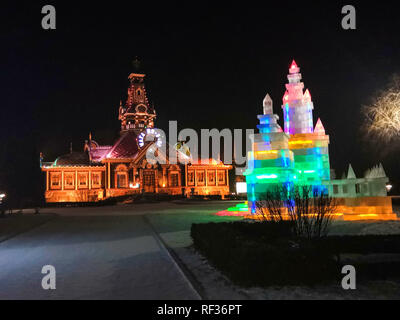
[267, 176]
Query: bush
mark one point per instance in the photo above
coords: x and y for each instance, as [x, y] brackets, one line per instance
[262, 254]
[309, 210]
[268, 253]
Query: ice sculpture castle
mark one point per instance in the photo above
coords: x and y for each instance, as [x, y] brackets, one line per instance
[299, 155]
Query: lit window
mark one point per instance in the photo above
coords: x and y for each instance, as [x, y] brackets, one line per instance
[211, 177]
[191, 178]
[69, 180]
[55, 180]
[174, 180]
[83, 180]
[221, 177]
[200, 178]
[96, 180]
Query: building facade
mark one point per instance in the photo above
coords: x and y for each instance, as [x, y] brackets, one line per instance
[106, 171]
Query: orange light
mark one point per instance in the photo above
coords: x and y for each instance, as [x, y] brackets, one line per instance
[301, 142]
[267, 152]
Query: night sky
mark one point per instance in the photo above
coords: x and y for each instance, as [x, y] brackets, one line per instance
[207, 66]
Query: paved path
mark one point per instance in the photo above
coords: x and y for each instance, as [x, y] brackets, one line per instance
[96, 257]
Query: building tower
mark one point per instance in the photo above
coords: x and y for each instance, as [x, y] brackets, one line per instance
[137, 114]
[297, 106]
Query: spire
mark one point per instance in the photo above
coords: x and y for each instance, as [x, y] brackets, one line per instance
[350, 173]
[268, 104]
[294, 68]
[307, 95]
[319, 128]
[137, 65]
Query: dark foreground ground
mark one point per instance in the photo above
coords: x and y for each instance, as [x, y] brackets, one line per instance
[138, 251]
[98, 253]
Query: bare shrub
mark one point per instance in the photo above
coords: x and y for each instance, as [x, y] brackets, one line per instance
[310, 211]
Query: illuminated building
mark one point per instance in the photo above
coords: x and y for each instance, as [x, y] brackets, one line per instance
[101, 172]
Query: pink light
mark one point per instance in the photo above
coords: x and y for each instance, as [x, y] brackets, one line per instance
[294, 65]
[286, 96]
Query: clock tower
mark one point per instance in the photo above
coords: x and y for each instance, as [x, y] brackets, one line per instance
[137, 114]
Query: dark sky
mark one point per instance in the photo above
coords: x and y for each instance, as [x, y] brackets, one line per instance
[207, 66]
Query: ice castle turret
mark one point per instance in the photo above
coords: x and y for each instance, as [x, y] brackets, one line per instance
[297, 105]
[270, 163]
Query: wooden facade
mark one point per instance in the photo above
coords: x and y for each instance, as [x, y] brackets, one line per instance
[101, 172]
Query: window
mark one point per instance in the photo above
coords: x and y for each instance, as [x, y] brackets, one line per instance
[211, 178]
[358, 188]
[96, 179]
[191, 177]
[69, 180]
[174, 180]
[83, 180]
[345, 189]
[335, 189]
[221, 177]
[55, 180]
[200, 178]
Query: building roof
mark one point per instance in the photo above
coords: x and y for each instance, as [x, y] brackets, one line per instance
[99, 153]
[125, 147]
[73, 159]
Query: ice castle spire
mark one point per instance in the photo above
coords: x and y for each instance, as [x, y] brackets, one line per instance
[268, 105]
[297, 106]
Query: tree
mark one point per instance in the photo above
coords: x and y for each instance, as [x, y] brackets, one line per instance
[382, 116]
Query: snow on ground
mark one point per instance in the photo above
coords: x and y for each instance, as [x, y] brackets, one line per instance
[365, 227]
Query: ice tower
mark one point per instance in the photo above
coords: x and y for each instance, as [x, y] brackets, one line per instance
[309, 146]
[297, 156]
[270, 163]
[297, 105]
